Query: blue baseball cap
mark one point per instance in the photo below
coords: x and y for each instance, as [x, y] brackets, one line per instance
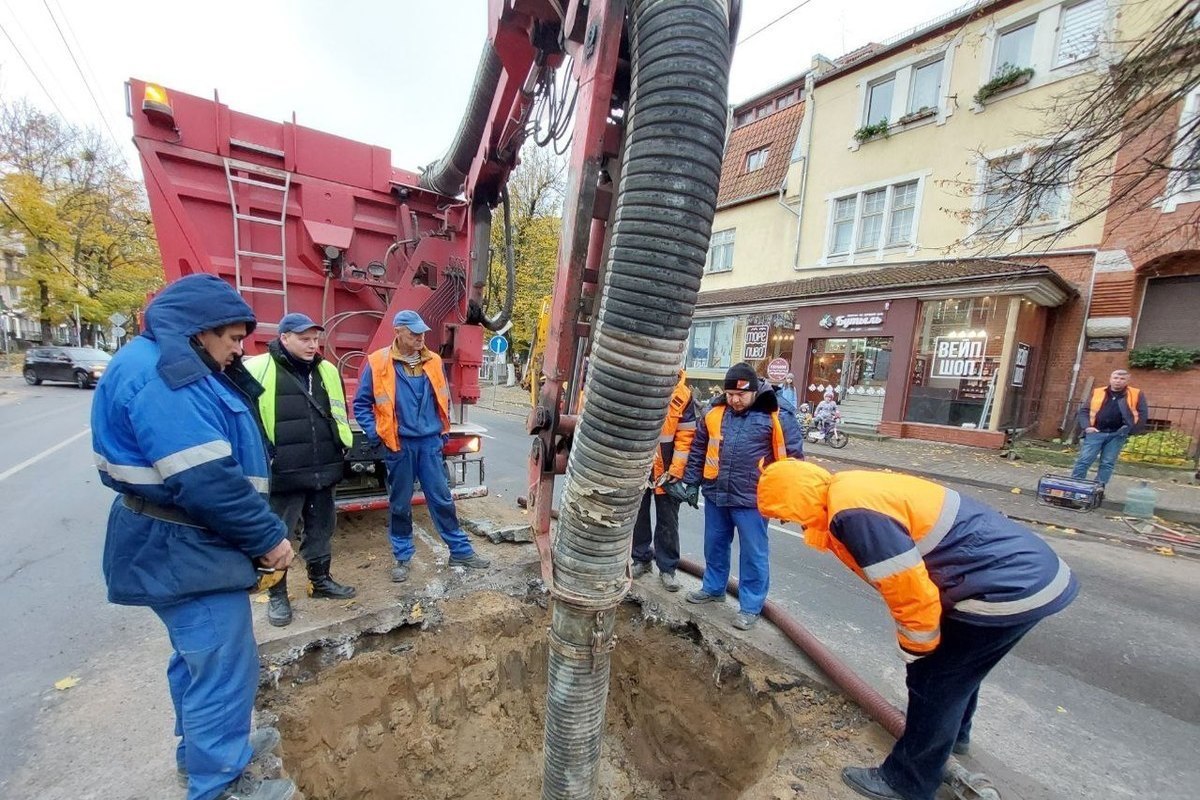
[297, 323]
[411, 320]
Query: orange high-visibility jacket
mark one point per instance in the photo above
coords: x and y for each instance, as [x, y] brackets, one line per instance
[1132, 398]
[383, 384]
[712, 455]
[928, 550]
[678, 432]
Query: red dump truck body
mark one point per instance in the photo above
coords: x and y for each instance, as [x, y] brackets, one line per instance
[301, 220]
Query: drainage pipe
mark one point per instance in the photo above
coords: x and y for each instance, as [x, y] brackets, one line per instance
[447, 174]
[971, 786]
[671, 165]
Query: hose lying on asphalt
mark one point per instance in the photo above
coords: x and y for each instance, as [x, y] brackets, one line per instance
[674, 142]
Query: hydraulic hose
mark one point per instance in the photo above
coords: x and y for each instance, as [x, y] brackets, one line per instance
[502, 317]
[446, 175]
[671, 164]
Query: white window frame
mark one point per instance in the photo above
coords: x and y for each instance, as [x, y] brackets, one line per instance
[1028, 22]
[856, 255]
[720, 239]
[1047, 19]
[912, 83]
[757, 159]
[1178, 192]
[711, 323]
[902, 89]
[1026, 154]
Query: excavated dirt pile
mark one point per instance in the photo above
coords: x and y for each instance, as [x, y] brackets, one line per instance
[454, 709]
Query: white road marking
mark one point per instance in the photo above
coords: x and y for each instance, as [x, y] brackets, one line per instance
[30, 461]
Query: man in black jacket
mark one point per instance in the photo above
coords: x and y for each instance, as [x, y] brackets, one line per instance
[303, 408]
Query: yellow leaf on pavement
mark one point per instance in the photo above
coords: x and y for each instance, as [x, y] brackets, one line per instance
[1062, 710]
[1165, 551]
[417, 611]
[66, 683]
[261, 597]
[1016, 490]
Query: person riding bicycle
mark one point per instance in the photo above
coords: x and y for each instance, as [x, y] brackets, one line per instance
[826, 412]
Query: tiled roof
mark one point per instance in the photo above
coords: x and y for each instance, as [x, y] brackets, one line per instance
[917, 274]
[776, 131]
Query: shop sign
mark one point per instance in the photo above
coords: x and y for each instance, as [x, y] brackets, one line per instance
[777, 370]
[861, 319]
[756, 342]
[958, 357]
[1021, 364]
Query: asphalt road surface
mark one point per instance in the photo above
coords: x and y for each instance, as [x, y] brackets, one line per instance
[1100, 701]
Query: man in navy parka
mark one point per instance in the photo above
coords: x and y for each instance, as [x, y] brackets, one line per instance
[176, 435]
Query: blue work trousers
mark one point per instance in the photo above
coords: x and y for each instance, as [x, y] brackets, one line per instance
[213, 675]
[754, 567]
[420, 459]
[1105, 445]
[943, 690]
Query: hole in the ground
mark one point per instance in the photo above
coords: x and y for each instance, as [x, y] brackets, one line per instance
[458, 713]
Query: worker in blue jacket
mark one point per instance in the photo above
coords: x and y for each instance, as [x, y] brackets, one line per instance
[743, 430]
[176, 434]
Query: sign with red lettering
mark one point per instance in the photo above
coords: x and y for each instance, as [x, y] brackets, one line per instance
[777, 370]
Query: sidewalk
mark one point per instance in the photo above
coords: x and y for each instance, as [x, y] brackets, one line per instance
[1010, 486]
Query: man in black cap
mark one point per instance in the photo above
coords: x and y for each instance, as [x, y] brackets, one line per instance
[303, 407]
[740, 434]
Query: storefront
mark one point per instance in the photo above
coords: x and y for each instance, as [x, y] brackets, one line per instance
[931, 351]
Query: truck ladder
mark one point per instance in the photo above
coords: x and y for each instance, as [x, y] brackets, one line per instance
[256, 179]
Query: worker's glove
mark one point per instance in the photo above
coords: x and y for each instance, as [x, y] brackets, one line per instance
[693, 495]
[677, 490]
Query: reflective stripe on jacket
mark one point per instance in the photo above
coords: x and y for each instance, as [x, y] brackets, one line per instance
[929, 551]
[383, 386]
[266, 371]
[742, 442]
[678, 432]
[712, 455]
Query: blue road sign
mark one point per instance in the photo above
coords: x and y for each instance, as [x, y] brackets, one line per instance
[498, 345]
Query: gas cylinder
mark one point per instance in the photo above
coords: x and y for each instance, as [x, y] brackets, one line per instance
[1140, 500]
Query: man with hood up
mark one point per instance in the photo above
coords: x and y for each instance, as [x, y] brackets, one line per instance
[963, 582]
[176, 434]
[742, 431]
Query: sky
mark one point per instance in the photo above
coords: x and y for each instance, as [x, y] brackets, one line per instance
[394, 73]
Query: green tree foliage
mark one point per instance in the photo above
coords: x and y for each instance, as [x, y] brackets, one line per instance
[535, 191]
[82, 220]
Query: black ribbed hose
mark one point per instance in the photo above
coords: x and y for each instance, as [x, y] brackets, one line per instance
[447, 174]
[667, 197]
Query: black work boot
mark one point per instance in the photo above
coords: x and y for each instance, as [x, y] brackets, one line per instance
[322, 584]
[279, 608]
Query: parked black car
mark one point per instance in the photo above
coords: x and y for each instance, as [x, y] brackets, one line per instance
[81, 366]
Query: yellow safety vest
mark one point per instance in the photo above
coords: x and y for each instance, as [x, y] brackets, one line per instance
[266, 371]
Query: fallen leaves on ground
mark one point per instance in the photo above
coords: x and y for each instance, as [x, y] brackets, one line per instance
[66, 683]
[1015, 490]
[1165, 551]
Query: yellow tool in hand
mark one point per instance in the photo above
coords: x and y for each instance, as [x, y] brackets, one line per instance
[268, 577]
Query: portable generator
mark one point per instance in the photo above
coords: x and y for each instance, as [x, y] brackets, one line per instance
[1076, 494]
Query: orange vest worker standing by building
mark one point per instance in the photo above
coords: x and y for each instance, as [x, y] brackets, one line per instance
[403, 404]
[670, 459]
[963, 582]
[1107, 420]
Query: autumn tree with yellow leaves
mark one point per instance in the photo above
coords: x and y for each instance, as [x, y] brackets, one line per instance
[535, 192]
[82, 220]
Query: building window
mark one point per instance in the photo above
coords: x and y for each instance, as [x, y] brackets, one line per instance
[1024, 189]
[720, 251]
[956, 359]
[925, 87]
[1168, 315]
[757, 159]
[1014, 48]
[743, 118]
[711, 344]
[1079, 31]
[875, 219]
[1184, 185]
[879, 100]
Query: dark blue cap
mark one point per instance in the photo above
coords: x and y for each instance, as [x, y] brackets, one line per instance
[297, 323]
[411, 320]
